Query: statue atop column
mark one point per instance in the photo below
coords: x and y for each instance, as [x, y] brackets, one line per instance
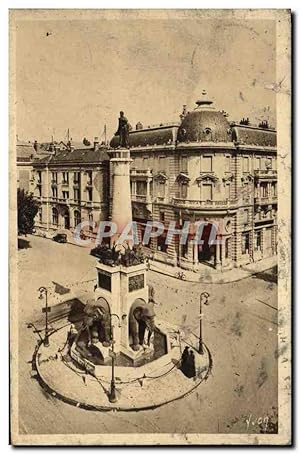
[123, 131]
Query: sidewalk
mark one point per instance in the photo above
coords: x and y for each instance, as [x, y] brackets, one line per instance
[211, 276]
[74, 386]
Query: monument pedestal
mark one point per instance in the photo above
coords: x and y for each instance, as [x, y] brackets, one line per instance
[121, 287]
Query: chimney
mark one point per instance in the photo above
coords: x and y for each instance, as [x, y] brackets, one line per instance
[96, 143]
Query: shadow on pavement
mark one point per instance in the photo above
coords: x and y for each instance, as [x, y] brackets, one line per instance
[268, 275]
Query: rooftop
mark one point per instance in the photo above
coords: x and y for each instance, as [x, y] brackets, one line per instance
[79, 155]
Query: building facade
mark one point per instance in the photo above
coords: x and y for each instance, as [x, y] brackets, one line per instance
[205, 169]
[71, 186]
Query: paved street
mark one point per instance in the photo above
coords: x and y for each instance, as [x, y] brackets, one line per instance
[240, 328]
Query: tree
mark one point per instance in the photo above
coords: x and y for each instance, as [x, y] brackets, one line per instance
[27, 210]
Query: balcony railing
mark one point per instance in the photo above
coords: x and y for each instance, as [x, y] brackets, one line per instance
[265, 200]
[140, 198]
[203, 203]
[141, 173]
[266, 173]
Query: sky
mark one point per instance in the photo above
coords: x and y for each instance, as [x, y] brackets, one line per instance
[79, 74]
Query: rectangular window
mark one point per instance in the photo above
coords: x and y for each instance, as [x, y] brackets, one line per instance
[274, 189]
[184, 250]
[184, 164]
[54, 192]
[227, 191]
[161, 244]
[89, 177]
[90, 195]
[246, 164]
[206, 192]
[206, 164]
[65, 177]
[227, 163]
[264, 190]
[162, 164]
[245, 217]
[245, 243]
[65, 195]
[141, 188]
[257, 243]
[145, 163]
[162, 216]
[257, 163]
[39, 175]
[161, 189]
[76, 194]
[76, 177]
[142, 230]
[183, 188]
[54, 177]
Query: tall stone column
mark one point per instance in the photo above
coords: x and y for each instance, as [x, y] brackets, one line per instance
[121, 197]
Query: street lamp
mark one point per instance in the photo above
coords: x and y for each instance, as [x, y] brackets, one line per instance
[43, 290]
[203, 299]
[112, 394]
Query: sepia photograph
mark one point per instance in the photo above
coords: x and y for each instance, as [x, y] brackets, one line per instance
[150, 257]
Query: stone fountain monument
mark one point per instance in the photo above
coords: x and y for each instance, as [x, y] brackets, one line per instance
[118, 339]
[121, 311]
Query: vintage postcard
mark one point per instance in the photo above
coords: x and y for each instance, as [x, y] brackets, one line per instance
[150, 208]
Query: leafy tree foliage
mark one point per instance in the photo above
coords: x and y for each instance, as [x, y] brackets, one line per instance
[27, 210]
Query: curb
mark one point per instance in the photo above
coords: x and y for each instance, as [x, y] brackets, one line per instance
[156, 269]
[102, 408]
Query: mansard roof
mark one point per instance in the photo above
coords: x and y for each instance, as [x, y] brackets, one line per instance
[253, 135]
[80, 156]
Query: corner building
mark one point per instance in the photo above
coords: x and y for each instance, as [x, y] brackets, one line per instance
[206, 169]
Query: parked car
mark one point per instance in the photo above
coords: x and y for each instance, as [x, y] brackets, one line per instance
[60, 238]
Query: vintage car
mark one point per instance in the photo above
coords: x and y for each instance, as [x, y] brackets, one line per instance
[60, 238]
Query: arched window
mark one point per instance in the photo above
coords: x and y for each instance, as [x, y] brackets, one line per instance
[54, 216]
[77, 218]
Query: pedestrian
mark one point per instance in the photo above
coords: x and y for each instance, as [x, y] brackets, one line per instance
[184, 358]
[190, 371]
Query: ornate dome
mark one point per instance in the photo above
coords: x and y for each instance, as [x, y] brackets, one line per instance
[204, 124]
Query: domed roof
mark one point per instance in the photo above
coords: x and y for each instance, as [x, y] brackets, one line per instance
[204, 124]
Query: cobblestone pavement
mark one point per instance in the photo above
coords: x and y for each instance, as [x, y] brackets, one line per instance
[240, 327]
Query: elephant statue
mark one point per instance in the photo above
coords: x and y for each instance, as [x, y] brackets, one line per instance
[141, 316]
[96, 326]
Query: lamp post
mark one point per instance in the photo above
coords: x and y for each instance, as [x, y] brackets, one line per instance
[43, 290]
[203, 299]
[112, 394]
